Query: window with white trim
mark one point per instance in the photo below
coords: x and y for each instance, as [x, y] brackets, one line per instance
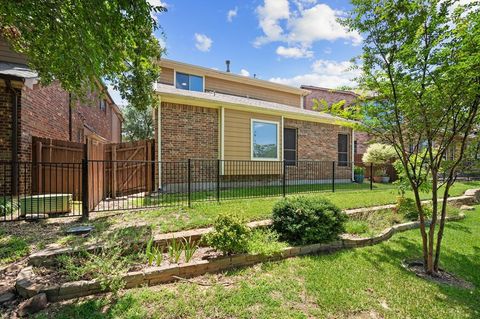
[264, 140]
[189, 82]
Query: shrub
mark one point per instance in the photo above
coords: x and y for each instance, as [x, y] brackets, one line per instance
[379, 154]
[230, 235]
[407, 207]
[265, 242]
[359, 170]
[302, 220]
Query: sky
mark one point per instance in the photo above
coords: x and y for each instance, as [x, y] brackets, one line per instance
[292, 42]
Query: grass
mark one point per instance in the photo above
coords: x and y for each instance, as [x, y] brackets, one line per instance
[202, 214]
[12, 248]
[359, 283]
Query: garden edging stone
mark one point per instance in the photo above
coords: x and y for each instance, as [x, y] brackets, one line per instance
[26, 286]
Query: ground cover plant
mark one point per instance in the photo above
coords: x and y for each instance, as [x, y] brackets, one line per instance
[357, 283]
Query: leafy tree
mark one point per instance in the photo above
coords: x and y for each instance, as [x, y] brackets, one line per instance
[78, 42]
[422, 60]
[138, 124]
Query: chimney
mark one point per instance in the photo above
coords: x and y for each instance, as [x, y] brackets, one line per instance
[227, 62]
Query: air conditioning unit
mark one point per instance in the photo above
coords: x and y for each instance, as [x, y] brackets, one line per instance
[46, 204]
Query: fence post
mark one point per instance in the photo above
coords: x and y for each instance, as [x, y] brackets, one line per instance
[284, 186]
[333, 176]
[189, 180]
[371, 176]
[85, 208]
[218, 180]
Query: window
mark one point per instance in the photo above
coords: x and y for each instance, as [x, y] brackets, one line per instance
[189, 82]
[264, 140]
[290, 146]
[342, 150]
[102, 104]
[355, 147]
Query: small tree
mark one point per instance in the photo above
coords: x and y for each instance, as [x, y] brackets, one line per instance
[422, 60]
[380, 155]
[138, 124]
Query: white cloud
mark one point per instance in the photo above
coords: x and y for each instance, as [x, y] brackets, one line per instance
[305, 24]
[294, 52]
[232, 13]
[320, 23]
[244, 72]
[269, 16]
[202, 42]
[324, 73]
[157, 3]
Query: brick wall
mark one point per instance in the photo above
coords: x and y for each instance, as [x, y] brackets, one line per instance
[45, 113]
[318, 142]
[5, 138]
[329, 95]
[188, 132]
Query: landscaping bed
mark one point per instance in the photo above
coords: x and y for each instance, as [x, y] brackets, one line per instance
[79, 274]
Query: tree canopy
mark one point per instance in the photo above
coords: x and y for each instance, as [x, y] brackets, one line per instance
[138, 124]
[421, 59]
[78, 42]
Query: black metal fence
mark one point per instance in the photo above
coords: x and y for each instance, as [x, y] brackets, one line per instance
[40, 190]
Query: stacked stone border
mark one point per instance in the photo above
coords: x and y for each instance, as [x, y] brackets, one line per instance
[27, 287]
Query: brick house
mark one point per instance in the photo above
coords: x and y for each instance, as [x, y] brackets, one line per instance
[28, 109]
[333, 96]
[209, 114]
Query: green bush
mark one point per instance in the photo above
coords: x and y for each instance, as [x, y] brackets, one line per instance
[302, 220]
[230, 235]
[408, 208]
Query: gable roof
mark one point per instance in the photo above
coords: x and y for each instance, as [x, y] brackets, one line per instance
[170, 93]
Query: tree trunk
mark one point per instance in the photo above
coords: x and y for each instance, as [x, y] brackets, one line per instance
[431, 233]
[423, 232]
[441, 227]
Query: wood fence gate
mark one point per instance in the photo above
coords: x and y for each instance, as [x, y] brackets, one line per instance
[129, 168]
[113, 169]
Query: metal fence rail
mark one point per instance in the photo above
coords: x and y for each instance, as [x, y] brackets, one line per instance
[76, 189]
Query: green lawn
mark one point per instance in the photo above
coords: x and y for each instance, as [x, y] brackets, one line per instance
[202, 214]
[361, 283]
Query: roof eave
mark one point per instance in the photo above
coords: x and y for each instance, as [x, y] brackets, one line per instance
[203, 101]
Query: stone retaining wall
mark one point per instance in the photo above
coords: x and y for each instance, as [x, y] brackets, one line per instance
[26, 286]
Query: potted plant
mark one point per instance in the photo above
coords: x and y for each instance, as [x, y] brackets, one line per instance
[358, 174]
[379, 155]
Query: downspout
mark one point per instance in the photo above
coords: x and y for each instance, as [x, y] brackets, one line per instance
[14, 137]
[353, 154]
[159, 143]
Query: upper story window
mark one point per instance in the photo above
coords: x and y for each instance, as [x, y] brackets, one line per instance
[189, 82]
[264, 140]
[102, 104]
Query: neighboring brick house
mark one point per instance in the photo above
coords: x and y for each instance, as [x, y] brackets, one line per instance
[32, 110]
[332, 96]
[210, 114]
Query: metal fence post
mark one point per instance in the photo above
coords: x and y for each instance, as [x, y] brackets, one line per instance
[218, 179]
[189, 181]
[333, 176]
[371, 176]
[284, 186]
[85, 208]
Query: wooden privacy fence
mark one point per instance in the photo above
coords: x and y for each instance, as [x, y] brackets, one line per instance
[113, 169]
